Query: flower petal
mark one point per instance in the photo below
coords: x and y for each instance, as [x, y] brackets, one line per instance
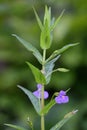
[37, 94]
[65, 99]
[39, 86]
[46, 94]
[62, 93]
[58, 100]
[62, 98]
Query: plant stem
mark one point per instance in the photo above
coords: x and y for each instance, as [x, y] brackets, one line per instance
[42, 93]
[42, 107]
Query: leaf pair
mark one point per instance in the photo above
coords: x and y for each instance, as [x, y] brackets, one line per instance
[40, 78]
[49, 63]
[36, 105]
[47, 27]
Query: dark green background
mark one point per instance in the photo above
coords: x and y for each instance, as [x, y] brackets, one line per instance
[17, 16]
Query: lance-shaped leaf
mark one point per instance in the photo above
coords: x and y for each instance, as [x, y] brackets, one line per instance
[57, 20]
[49, 67]
[50, 104]
[48, 107]
[29, 47]
[59, 69]
[62, 69]
[64, 120]
[47, 15]
[39, 76]
[34, 100]
[60, 51]
[15, 127]
[38, 19]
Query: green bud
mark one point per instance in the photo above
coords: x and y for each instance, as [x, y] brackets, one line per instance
[46, 38]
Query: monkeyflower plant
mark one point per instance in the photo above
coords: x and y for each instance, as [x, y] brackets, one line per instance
[43, 76]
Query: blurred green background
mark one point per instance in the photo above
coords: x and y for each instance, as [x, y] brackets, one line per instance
[17, 16]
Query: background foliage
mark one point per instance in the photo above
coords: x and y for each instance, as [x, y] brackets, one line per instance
[17, 16]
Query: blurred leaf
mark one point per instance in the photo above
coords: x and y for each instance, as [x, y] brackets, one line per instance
[64, 120]
[59, 69]
[48, 107]
[30, 123]
[59, 51]
[34, 99]
[39, 76]
[38, 19]
[30, 47]
[49, 67]
[15, 127]
[63, 69]
[56, 22]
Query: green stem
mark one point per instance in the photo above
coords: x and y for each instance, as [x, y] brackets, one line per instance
[44, 57]
[42, 106]
[42, 92]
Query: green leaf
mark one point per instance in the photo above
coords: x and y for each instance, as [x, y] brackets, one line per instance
[49, 67]
[39, 76]
[48, 107]
[64, 120]
[47, 15]
[62, 69]
[38, 19]
[34, 100]
[59, 69]
[15, 127]
[59, 51]
[29, 47]
[56, 22]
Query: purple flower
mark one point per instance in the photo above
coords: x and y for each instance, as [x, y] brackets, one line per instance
[62, 98]
[37, 93]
